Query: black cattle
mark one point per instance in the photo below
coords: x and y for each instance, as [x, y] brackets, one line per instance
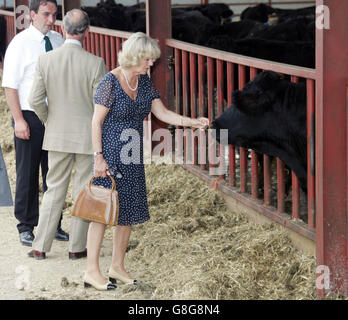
[285, 15]
[136, 16]
[290, 41]
[238, 29]
[2, 37]
[109, 15]
[218, 13]
[262, 12]
[300, 53]
[295, 29]
[258, 13]
[269, 116]
[191, 26]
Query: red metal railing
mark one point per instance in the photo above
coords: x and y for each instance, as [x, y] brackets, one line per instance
[104, 43]
[201, 88]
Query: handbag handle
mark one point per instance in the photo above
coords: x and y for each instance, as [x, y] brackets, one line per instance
[111, 178]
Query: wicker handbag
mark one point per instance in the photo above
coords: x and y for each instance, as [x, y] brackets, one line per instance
[98, 204]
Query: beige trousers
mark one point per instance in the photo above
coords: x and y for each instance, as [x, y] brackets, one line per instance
[60, 165]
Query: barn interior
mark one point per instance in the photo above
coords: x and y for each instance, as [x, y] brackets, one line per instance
[228, 54]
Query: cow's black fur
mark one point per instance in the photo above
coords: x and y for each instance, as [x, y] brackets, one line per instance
[269, 116]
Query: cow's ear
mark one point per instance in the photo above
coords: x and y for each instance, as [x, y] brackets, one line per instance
[268, 79]
[252, 103]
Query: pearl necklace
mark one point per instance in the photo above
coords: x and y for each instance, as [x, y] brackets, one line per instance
[130, 88]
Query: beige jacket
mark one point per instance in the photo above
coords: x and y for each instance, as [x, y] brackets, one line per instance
[68, 77]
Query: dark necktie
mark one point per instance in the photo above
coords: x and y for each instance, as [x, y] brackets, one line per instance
[48, 44]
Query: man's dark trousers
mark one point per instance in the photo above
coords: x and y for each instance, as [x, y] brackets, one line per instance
[29, 158]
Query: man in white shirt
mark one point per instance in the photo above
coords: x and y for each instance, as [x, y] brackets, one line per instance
[18, 75]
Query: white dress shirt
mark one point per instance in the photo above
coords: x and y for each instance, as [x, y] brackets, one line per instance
[20, 60]
[73, 41]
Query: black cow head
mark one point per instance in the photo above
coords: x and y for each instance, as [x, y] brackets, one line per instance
[269, 116]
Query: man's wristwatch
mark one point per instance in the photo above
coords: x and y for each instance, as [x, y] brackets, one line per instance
[96, 153]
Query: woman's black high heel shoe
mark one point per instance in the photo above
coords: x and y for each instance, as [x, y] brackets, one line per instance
[113, 276]
[89, 282]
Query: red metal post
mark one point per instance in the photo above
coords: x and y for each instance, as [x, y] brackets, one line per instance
[10, 27]
[97, 44]
[102, 46]
[92, 40]
[295, 182]
[113, 52]
[107, 53]
[254, 159]
[220, 86]
[118, 48]
[232, 165]
[220, 102]
[178, 94]
[210, 84]
[280, 186]
[185, 95]
[311, 152]
[230, 83]
[331, 146]
[68, 5]
[243, 153]
[231, 149]
[178, 79]
[295, 212]
[159, 26]
[201, 90]
[210, 80]
[193, 89]
[267, 180]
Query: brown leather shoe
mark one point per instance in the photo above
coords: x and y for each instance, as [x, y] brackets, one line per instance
[38, 255]
[77, 255]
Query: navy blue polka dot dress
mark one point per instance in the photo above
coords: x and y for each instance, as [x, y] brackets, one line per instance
[122, 143]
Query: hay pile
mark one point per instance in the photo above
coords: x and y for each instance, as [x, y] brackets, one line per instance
[194, 247]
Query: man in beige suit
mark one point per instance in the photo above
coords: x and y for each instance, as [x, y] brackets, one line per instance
[62, 97]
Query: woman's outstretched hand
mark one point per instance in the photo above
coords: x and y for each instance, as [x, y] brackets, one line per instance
[101, 168]
[200, 123]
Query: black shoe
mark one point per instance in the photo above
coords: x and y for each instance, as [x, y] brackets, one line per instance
[26, 238]
[77, 255]
[38, 255]
[61, 235]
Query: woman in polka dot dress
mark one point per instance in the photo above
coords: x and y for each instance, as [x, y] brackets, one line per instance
[123, 99]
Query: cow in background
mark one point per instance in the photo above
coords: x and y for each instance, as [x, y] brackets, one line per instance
[269, 116]
[262, 12]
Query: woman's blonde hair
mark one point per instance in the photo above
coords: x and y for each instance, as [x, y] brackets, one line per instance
[137, 47]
